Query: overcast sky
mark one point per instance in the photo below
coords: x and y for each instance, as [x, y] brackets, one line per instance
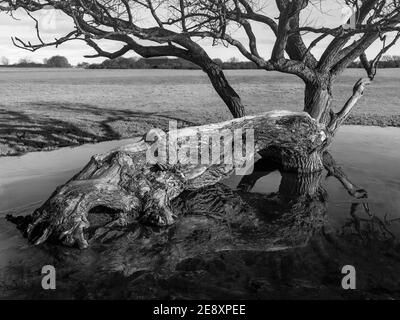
[54, 24]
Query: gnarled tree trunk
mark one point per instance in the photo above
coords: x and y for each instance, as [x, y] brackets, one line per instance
[137, 189]
[317, 101]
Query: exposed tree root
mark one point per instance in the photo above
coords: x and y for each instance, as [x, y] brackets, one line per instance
[136, 189]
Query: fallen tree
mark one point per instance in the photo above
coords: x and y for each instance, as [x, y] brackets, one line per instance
[138, 181]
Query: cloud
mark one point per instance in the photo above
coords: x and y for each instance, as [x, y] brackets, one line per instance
[55, 24]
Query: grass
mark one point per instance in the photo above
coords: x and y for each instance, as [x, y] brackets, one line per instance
[49, 108]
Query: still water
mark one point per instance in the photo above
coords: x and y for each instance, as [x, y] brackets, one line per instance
[284, 246]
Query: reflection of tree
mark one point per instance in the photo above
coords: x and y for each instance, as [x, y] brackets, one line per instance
[231, 243]
[370, 227]
[336, 171]
[217, 219]
[296, 211]
[301, 201]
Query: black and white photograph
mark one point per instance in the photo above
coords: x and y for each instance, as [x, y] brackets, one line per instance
[199, 150]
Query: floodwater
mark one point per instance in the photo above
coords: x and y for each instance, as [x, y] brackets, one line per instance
[273, 243]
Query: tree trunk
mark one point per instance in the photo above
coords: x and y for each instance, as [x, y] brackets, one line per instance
[317, 102]
[136, 187]
[224, 90]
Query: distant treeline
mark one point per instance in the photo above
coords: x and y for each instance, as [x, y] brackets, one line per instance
[167, 63]
[162, 63]
[386, 62]
[53, 62]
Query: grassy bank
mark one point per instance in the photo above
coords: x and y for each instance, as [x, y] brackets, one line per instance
[374, 120]
[44, 109]
[52, 127]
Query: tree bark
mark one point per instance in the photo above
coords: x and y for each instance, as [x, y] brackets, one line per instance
[317, 102]
[224, 89]
[136, 189]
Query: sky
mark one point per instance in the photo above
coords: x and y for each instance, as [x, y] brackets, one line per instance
[54, 24]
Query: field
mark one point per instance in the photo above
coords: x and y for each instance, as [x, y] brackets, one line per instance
[48, 108]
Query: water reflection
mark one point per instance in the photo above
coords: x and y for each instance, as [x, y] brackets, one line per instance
[369, 228]
[230, 242]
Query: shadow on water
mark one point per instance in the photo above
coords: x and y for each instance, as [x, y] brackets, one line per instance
[229, 243]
